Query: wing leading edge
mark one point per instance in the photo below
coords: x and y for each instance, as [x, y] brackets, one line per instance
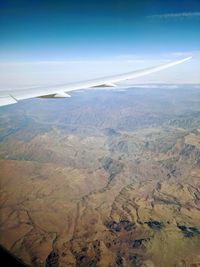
[13, 96]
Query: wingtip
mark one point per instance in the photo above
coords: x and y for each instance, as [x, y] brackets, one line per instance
[185, 59]
[188, 58]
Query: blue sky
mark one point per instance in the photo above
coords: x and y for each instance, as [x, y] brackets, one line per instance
[44, 30]
[54, 31]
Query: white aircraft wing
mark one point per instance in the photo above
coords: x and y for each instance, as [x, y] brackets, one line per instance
[13, 96]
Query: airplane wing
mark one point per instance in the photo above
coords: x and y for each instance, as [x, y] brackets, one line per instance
[13, 96]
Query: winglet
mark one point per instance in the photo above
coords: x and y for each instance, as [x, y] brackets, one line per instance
[187, 58]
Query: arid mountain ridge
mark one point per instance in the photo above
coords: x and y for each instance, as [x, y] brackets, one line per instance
[103, 179]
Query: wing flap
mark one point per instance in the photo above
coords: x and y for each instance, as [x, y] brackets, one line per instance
[104, 85]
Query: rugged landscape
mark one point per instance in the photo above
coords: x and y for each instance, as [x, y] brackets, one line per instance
[106, 178]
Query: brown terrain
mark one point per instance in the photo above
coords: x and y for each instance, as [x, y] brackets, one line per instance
[106, 179]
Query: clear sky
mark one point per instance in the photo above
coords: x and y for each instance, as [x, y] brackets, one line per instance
[46, 33]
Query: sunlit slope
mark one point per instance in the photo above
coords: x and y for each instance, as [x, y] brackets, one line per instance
[116, 184]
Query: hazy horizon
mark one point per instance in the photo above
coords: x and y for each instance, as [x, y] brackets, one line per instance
[44, 42]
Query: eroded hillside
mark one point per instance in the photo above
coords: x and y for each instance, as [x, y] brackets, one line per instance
[108, 179]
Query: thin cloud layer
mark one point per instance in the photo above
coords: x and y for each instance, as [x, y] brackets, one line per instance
[176, 15]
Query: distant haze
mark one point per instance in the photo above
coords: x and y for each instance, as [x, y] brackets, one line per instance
[45, 42]
[20, 74]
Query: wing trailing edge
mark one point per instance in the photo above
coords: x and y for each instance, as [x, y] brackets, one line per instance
[60, 91]
[7, 100]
